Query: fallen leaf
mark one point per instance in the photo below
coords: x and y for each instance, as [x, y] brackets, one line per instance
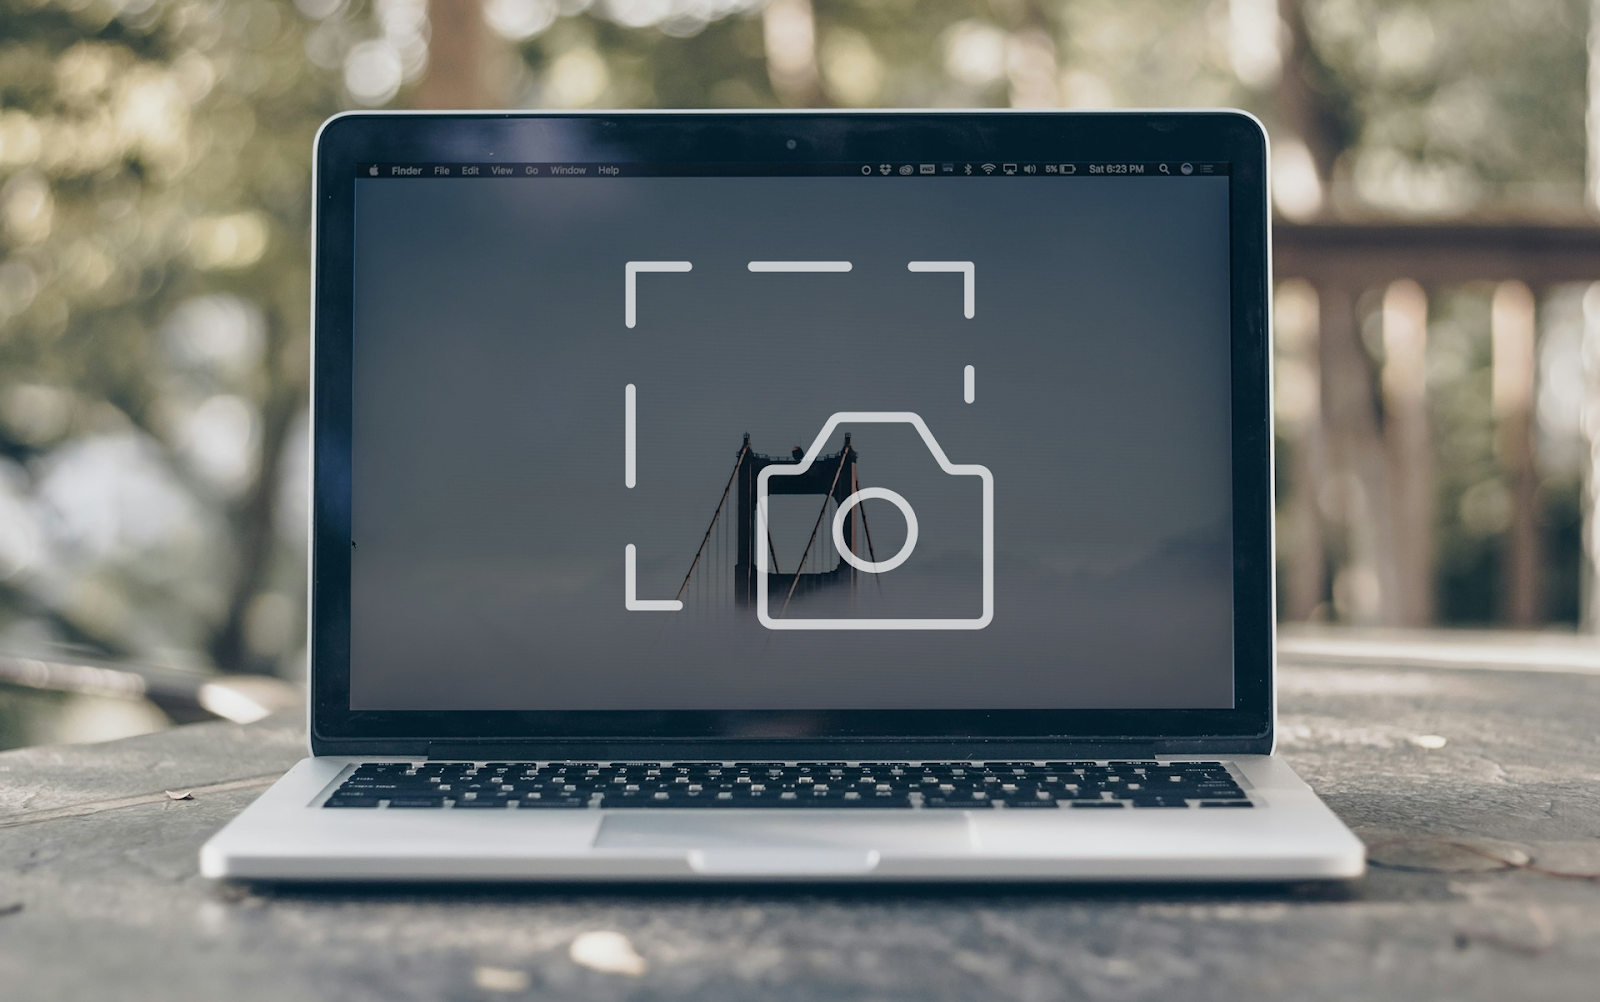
[500, 979]
[607, 952]
[180, 794]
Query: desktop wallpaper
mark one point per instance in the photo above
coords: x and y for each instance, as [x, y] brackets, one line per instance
[497, 378]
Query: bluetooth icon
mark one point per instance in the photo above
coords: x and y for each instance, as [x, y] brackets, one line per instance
[969, 168]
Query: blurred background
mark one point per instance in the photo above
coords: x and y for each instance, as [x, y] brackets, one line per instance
[1436, 177]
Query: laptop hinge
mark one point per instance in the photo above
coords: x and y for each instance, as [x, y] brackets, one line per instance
[858, 751]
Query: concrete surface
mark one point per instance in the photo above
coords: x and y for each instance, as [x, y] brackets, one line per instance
[100, 899]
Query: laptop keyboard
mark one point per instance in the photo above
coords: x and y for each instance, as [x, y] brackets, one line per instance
[834, 785]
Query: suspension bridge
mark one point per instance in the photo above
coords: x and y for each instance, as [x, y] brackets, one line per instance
[833, 478]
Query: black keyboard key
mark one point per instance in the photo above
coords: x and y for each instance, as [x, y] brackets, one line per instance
[416, 802]
[338, 801]
[480, 804]
[1159, 802]
[1226, 803]
[553, 802]
[1117, 804]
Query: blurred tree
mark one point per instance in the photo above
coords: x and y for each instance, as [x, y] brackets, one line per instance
[466, 59]
[154, 178]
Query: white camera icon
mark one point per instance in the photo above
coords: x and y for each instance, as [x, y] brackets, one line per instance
[763, 481]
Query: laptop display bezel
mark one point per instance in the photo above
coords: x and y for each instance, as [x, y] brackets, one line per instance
[1219, 136]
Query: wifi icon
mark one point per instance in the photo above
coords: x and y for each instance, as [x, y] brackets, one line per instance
[988, 168]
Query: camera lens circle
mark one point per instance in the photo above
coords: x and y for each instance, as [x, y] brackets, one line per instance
[875, 566]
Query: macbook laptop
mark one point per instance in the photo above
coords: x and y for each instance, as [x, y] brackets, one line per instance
[792, 496]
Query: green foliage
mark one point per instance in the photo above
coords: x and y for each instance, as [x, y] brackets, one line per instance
[154, 186]
[1459, 104]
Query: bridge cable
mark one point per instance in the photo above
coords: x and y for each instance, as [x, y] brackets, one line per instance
[743, 451]
[844, 455]
[866, 530]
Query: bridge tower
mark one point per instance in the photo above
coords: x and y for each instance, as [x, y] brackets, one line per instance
[830, 476]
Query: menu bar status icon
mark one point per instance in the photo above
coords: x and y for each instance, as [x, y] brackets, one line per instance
[907, 169]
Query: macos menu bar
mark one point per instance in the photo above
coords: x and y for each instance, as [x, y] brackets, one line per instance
[878, 169]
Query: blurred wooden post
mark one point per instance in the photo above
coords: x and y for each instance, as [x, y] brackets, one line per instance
[1366, 586]
[789, 32]
[1592, 119]
[1031, 67]
[1306, 567]
[1589, 582]
[1324, 459]
[463, 58]
[1589, 424]
[1303, 94]
[1410, 450]
[1512, 330]
[1301, 538]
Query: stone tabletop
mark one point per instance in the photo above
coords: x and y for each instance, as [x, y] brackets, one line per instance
[1476, 789]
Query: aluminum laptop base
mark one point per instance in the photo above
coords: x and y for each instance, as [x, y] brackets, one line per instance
[286, 835]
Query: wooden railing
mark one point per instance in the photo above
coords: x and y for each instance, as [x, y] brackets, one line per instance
[1362, 441]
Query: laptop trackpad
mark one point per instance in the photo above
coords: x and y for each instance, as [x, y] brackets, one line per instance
[780, 842]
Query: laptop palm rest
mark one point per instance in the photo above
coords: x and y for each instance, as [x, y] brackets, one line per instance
[778, 842]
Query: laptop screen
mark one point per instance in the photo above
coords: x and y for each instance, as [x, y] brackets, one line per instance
[833, 436]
